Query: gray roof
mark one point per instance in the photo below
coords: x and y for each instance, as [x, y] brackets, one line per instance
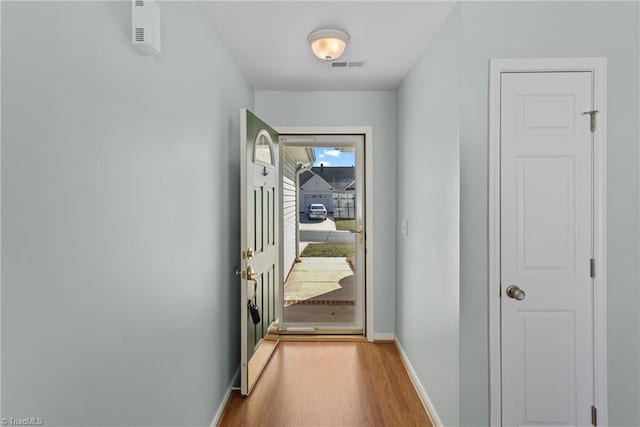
[339, 177]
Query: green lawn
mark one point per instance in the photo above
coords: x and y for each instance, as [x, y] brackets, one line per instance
[329, 250]
[345, 224]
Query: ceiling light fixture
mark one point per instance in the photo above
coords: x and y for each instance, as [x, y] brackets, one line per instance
[328, 44]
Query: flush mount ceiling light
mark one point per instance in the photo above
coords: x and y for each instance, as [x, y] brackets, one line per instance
[328, 44]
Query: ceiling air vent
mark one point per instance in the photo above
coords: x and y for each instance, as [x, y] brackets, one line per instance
[346, 64]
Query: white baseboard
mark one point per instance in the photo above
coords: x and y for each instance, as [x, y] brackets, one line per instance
[225, 399]
[384, 337]
[424, 398]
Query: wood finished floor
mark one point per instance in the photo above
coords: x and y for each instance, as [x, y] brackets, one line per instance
[330, 384]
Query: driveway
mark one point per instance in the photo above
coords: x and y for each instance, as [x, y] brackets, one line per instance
[316, 224]
[315, 230]
[342, 236]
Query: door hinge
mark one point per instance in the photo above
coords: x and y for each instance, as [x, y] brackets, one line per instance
[592, 267]
[592, 119]
[594, 416]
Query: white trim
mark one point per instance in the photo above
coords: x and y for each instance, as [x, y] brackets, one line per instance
[367, 131]
[225, 399]
[598, 66]
[417, 384]
[1, 203]
[244, 360]
[381, 336]
[335, 141]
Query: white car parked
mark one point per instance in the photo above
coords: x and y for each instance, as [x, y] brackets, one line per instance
[317, 211]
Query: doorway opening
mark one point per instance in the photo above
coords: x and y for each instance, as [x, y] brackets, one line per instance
[323, 234]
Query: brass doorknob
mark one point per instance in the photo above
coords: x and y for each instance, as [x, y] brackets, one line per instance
[249, 274]
[516, 293]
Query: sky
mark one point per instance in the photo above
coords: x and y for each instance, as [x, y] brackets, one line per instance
[332, 157]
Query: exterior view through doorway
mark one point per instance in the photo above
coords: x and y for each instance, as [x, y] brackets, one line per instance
[323, 234]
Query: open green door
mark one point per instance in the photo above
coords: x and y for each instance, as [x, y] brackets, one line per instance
[259, 207]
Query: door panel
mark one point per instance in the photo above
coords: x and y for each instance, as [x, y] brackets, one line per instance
[260, 258]
[547, 374]
[546, 240]
[546, 213]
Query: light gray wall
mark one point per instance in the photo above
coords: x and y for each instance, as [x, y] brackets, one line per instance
[376, 109]
[553, 29]
[427, 299]
[119, 216]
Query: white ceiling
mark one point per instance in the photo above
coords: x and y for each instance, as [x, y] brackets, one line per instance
[268, 39]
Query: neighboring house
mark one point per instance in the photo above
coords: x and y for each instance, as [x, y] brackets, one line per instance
[321, 183]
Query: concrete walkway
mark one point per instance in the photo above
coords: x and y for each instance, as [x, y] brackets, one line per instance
[320, 290]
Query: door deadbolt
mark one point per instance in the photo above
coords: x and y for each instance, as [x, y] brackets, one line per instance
[516, 293]
[248, 254]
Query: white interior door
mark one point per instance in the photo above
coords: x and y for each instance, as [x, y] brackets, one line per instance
[546, 150]
[259, 209]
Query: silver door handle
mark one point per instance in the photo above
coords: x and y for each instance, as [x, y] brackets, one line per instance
[516, 293]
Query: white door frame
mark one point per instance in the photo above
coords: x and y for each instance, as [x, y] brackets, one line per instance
[367, 131]
[598, 66]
